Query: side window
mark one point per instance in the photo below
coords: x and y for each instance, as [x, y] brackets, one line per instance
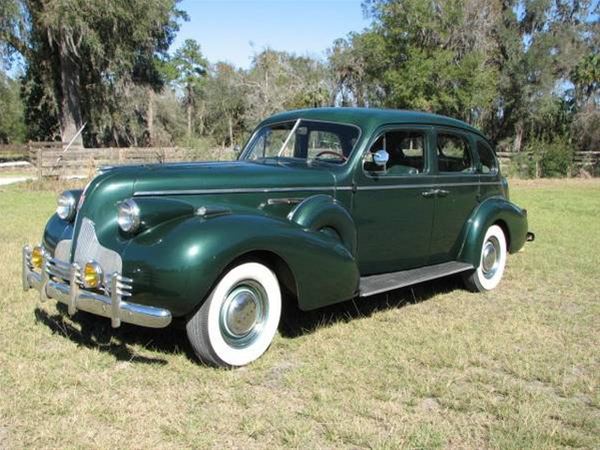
[486, 158]
[406, 150]
[453, 153]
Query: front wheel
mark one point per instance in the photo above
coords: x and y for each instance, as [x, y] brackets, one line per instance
[491, 264]
[239, 319]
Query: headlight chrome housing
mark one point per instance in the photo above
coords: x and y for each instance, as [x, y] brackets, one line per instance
[66, 206]
[129, 216]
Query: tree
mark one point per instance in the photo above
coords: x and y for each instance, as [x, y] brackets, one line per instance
[225, 104]
[12, 125]
[82, 56]
[280, 80]
[430, 56]
[192, 70]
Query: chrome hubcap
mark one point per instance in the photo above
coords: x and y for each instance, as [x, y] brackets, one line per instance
[243, 313]
[490, 257]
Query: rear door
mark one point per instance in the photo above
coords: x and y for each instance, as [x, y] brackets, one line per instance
[457, 183]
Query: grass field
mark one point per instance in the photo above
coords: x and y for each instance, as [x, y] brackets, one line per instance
[428, 367]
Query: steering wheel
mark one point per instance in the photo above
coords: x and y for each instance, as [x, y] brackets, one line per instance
[331, 152]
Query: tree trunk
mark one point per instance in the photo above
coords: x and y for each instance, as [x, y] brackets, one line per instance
[190, 108]
[150, 117]
[201, 120]
[230, 123]
[70, 111]
[519, 130]
[189, 120]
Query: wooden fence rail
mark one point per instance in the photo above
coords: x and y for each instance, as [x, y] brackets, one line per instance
[587, 162]
[50, 160]
[53, 161]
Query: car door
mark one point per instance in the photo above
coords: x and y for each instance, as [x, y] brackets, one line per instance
[457, 196]
[392, 209]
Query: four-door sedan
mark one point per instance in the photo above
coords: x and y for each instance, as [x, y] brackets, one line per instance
[322, 205]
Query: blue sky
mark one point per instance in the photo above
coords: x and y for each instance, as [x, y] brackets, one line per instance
[233, 30]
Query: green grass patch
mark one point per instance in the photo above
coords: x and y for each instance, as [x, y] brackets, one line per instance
[429, 367]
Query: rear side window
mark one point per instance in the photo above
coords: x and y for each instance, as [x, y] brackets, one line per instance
[453, 153]
[486, 158]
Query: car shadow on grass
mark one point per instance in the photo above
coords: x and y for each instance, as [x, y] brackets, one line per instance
[299, 323]
[96, 333]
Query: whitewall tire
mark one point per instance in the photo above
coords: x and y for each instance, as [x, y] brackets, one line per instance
[239, 319]
[491, 262]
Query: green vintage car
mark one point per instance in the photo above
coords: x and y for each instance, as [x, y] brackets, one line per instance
[322, 205]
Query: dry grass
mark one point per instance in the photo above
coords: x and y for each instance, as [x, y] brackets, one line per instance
[434, 366]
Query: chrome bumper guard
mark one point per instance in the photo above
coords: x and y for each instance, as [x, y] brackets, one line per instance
[61, 281]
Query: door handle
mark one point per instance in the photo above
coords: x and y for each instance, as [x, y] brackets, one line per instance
[430, 193]
[442, 192]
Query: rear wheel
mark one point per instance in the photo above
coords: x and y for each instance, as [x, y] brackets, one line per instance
[492, 262]
[239, 319]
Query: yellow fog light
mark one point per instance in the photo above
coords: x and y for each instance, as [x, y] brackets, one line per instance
[37, 257]
[92, 275]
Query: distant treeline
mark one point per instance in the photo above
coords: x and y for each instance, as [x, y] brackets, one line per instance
[526, 72]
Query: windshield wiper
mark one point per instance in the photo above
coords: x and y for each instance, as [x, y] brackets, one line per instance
[289, 136]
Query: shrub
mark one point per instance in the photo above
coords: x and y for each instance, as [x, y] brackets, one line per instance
[544, 158]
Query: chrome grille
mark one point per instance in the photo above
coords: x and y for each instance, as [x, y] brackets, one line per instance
[89, 249]
[63, 250]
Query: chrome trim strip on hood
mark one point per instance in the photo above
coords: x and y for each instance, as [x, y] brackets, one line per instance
[233, 191]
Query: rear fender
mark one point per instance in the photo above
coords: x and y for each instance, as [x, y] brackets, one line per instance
[494, 210]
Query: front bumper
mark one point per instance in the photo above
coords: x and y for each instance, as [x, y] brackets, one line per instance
[60, 280]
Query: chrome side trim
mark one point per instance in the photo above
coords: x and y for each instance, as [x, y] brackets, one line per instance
[71, 294]
[416, 186]
[303, 188]
[232, 191]
[205, 212]
[284, 201]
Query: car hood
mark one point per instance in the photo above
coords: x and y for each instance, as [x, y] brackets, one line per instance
[212, 182]
[215, 177]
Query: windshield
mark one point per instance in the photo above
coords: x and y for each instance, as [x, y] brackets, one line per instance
[303, 139]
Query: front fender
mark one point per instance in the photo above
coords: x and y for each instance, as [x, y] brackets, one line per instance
[322, 211]
[56, 230]
[491, 211]
[176, 264]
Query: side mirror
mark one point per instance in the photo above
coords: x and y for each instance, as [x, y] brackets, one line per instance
[237, 151]
[380, 159]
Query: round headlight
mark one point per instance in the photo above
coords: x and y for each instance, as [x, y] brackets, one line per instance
[66, 206]
[129, 216]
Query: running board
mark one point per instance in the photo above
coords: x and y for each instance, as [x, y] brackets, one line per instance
[375, 284]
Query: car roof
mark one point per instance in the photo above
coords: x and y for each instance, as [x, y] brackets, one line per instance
[371, 118]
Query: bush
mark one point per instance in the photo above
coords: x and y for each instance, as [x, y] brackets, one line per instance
[546, 159]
